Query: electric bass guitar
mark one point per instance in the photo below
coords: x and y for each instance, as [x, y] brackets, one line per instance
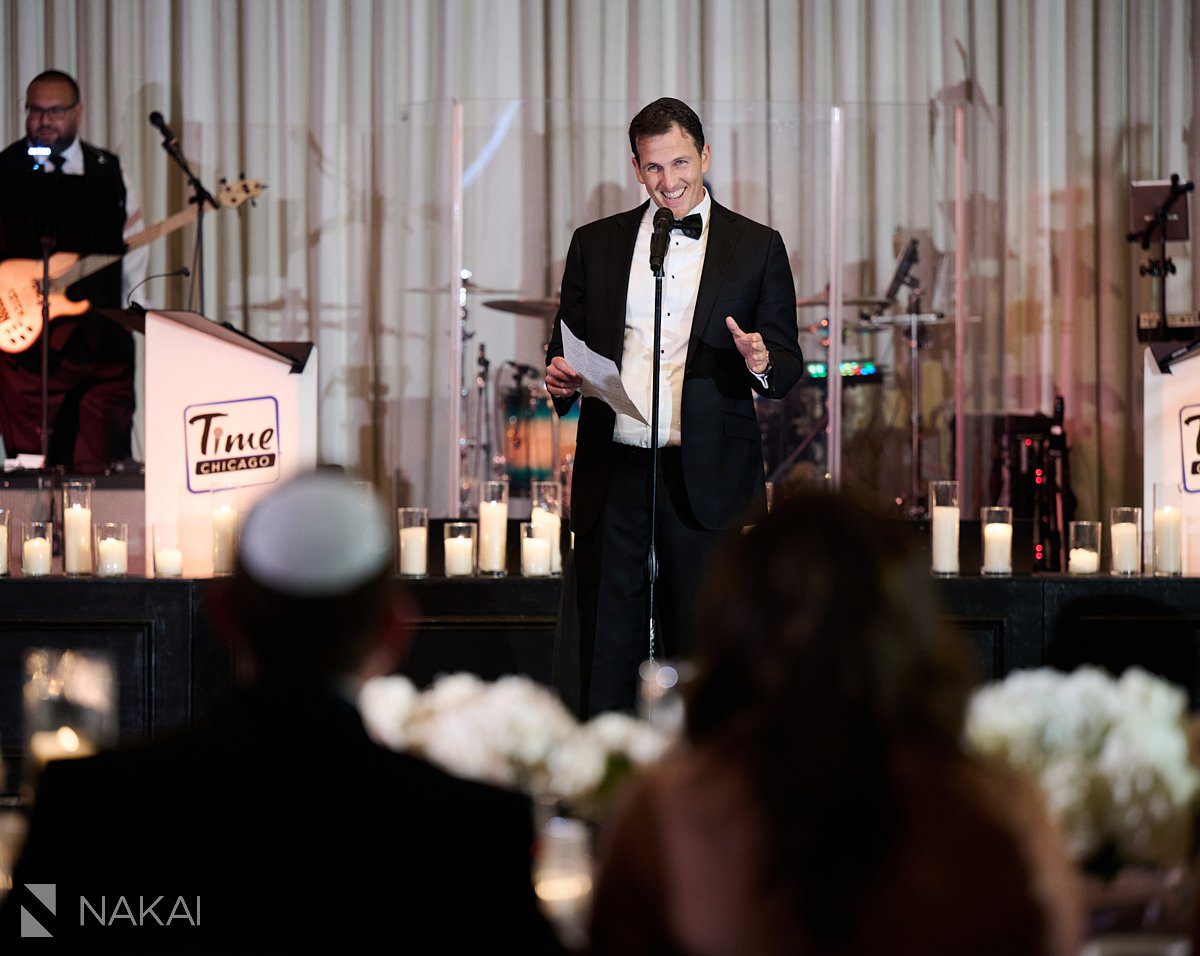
[21, 279]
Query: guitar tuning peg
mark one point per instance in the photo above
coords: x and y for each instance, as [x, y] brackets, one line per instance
[242, 175]
[222, 181]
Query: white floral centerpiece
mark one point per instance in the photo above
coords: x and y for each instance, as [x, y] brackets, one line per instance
[512, 732]
[1111, 756]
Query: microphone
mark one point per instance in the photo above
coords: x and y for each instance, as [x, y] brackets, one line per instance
[664, 220]
[181, 273]
[160, 124]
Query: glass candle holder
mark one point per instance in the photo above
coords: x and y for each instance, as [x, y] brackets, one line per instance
[5, 525]
[493, 527]
[413, 528]
[112, 549]
[546, 518]
[1084, 554]
[944, 519]
[535, 552]
[70, 704]
[562, 879]
[997, 539]
[661, 687]
[1168, 530]
[77, 526]
[168, 550]
[1125, 536]
[224, 529]
[458, 542]
[37, 552]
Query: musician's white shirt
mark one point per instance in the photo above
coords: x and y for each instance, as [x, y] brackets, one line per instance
[135, 263]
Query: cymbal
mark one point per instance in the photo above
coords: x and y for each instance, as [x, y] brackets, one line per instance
[470, 286]
[862, 302]
[536, 308]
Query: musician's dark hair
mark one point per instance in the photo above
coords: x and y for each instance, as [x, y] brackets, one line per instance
[658, 118]
[57, 76]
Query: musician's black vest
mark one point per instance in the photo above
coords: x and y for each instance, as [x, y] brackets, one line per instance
[85, 213]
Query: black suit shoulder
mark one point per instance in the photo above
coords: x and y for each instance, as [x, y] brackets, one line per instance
[285, 817]
[603, 227]
[746, 225]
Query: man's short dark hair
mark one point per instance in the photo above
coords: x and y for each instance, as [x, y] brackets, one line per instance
[658, 118]
[57, 76]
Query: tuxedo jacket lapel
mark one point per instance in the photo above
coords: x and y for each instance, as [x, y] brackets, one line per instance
[621, 243]
[722, 237]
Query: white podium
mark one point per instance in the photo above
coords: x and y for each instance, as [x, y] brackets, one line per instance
[1171, 437]
[227, 417]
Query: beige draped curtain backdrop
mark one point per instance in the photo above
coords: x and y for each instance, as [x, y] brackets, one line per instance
[342, 107]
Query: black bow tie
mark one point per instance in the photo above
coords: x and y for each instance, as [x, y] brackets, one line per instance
[60, 162]
[691, 226]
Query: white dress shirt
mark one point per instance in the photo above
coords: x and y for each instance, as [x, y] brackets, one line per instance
[681, 281]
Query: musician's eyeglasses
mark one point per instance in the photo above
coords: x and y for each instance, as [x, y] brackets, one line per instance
[50, 112]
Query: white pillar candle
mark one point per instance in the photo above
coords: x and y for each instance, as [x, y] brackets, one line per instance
[945, 539]
[224, 519]
[35, 557]
[77, 540]
[493, 528]
[112, 557]
[3, 549]
[1083, 561]
[459, 557]
[414, 543]
[168, 563]
[997, 548]
[1125, 557]
[1168, 536]
[535, 557]
[548, 526]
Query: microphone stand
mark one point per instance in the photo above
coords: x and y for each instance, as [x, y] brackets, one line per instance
[203, 199]
[657, 267]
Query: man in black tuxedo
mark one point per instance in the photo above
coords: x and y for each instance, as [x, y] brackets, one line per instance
[283, 826]
[729, 330]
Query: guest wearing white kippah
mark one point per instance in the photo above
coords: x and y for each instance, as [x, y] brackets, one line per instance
[282, 822]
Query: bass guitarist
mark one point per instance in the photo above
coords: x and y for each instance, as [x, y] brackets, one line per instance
[79, 197]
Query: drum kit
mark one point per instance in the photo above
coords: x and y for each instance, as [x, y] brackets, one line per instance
[531, 442]
[511, 429]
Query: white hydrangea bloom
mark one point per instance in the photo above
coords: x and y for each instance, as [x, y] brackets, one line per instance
[386, 703]
[1111, 756]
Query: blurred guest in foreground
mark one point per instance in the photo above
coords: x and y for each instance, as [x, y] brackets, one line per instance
[822, 801]
[283, 823]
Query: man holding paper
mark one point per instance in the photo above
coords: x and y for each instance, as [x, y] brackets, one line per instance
[728, 330]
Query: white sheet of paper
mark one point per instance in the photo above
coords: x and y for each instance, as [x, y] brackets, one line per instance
[601, 377]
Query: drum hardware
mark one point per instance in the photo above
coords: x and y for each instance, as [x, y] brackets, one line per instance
[474, 450]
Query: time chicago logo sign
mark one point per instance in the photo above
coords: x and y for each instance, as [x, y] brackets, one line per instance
[233, 439]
